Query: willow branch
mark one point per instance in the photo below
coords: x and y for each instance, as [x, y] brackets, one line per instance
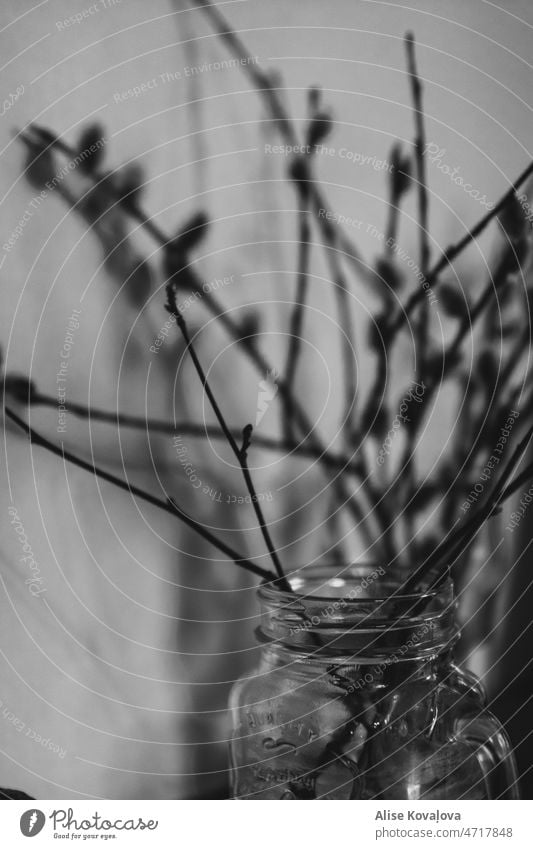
[148, 425]
[243, 460]
[521, 479]
[169, 506]
[240, 453]
[296, 322]
[452, 252]
[263, 85]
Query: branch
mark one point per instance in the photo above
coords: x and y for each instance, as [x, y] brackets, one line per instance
[49, 140]
[457, 541]
[523, 478]
[420, 144]
[168, 506]
[452, 252]
[100, 180]
[296, 323]
[240, 453]
[493, 286]
[450, 356]
[347, 343]
[422, 325]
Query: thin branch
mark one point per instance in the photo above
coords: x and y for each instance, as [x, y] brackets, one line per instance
[240, 453]
[452, 252]
[255, 356]
[422, 324]
[263, 85]
[243, 460]
[458, 540]
[169, 506]
[347, 344]
[493, 285]
[260, 80]
[346, 499]
[296, 322]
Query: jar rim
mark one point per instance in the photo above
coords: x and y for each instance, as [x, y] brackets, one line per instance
[321, 574]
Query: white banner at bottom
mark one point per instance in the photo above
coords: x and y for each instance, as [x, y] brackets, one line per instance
[254, 825]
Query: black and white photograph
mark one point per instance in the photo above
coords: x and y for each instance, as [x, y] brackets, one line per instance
[266, 501]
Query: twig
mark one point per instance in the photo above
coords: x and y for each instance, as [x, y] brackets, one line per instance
[467, 323]
[452, 252]
[494, 284]
[391, 229]
[420, 144]
[169, 506]
[452, 546]
[49, 140]
[347, 344]
[243, 459]
[240, 453]
[264, 85]
[296, 322]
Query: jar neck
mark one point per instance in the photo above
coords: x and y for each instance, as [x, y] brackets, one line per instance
[358, 612]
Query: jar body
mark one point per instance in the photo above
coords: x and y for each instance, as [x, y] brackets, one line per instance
[371, 724]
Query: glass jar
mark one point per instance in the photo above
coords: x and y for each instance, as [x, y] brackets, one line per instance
[356, 696]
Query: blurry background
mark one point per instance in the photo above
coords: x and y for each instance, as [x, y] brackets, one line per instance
[114, 679]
